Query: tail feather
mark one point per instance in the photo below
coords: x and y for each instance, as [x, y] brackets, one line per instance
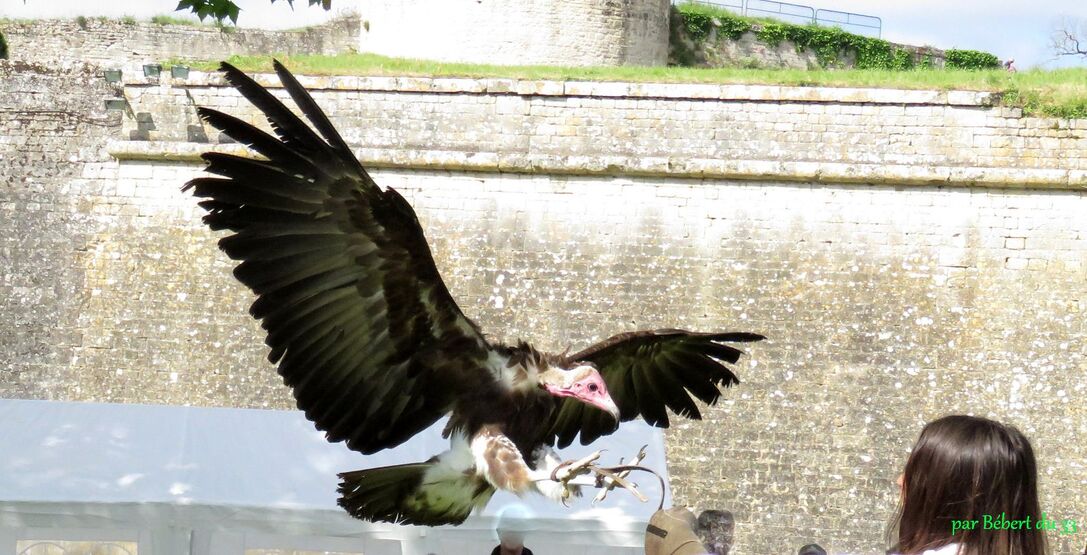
[420, 493]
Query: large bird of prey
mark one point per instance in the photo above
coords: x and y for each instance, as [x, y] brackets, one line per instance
[375, 349]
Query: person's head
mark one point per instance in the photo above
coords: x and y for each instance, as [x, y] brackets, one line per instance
[511, 526]
[511, 539]
[962, 469]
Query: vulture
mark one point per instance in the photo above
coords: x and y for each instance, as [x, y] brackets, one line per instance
[375, 349]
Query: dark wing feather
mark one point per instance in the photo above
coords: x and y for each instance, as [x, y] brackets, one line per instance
[648, 372]
[360, 323]
[316, 116]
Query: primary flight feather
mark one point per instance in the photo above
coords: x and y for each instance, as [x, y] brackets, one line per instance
[375, 349]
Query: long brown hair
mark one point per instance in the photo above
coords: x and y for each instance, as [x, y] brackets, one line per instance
[964, 468]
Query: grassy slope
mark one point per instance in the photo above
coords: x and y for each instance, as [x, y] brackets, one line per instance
[1057, 93]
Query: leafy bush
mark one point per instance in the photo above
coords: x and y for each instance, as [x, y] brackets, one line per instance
[773, 33]
[732, 26]
[902, 60]
[880, 54]
[700, 19]
[970, 59]
[3, 47]
[829, 44]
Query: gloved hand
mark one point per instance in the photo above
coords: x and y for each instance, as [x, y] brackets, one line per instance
[671, 532]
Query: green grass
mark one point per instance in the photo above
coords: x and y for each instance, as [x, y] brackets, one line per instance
[127, 20]
[1057, 93]
[174, 20]
[167, 19]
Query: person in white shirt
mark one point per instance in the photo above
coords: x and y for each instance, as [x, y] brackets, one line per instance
[970, 487]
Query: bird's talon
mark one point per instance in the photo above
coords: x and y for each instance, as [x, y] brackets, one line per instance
[606, 480]
[567, 470]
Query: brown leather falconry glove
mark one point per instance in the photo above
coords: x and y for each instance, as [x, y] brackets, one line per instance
[671, 532]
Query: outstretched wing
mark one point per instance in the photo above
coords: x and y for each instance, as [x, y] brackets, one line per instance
[646, 372]
[358, 319]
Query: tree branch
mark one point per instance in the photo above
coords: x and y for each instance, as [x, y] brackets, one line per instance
[1066, 43]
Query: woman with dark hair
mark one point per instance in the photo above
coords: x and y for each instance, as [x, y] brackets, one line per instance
[970, 487]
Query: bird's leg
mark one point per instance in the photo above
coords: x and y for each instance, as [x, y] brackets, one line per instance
[546, 461]
[607, 474]
[561, 480]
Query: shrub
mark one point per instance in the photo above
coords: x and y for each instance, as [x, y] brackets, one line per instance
[700, 19]
[733, 26]
[879, 54]
[970, 59]
[3, 47]
[903, 60]
[828, 43]
[773, 33]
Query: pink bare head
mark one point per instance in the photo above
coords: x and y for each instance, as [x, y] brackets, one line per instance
[587, 385]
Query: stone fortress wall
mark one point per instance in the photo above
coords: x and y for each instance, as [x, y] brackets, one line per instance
[750, 51]
[538, 32]
[689, 130]
[116, 43]
[908, 253]
[556, 32]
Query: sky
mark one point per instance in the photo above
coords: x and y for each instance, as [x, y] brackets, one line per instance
[1008, 28]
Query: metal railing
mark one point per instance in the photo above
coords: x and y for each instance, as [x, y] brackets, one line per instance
[798, 13]
[792, 13]
[731, 5]
[849, 20]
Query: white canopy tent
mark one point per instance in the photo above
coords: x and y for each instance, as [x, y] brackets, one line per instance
[166, 480]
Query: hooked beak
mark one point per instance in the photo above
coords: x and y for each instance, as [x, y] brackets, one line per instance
[606, 404]
[591, 392]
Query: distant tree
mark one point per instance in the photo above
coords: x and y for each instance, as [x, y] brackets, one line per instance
[224, 9]
[1070, 38]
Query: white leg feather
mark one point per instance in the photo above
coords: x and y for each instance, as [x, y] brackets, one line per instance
[547, 460]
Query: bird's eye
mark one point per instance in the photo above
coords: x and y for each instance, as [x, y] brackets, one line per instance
[592, 387]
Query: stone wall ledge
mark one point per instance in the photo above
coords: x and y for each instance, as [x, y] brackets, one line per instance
[601, 89]
[691, 168]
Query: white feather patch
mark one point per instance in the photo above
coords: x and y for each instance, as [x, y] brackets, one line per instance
[547, 460]
[516, 377]
[450, 484]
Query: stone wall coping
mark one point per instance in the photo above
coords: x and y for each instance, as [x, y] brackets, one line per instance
[604, 89]
[692, 168]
